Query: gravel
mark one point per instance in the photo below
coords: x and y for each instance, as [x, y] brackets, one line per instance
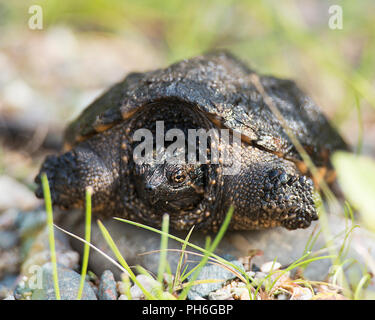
[8, 239]
[107, 286]
[211, 272]
[14, 194]
[148, 283]
[69, 282]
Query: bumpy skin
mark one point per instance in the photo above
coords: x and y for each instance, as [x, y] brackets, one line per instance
[210, 91]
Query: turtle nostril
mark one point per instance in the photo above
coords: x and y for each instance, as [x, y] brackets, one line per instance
[149, 187]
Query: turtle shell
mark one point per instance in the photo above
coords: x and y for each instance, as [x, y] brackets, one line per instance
[222, 87]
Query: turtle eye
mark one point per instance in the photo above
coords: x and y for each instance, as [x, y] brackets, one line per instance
[179, 176]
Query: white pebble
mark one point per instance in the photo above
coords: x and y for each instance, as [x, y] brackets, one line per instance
[269, 266]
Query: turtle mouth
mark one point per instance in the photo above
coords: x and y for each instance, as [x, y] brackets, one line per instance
[173, 205]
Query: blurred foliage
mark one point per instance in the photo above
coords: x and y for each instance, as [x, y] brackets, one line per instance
[356, 175]
[285, 38]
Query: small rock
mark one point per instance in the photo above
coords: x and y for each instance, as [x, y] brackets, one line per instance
[8, 239]
[198, 298]
[121, 287]
[8, 219]
[69, 283]
[136, 293]
[7, 284]
[255, 268]
[228, 256]
[30, 222]
[220, 295]
[283, 296]
[9, 261]
[241, 293]
[22, 291]
[258, 278]
[107, 286]
[147, 282]
[39, 252]
[211, 272]
[240, 284]
[301, 293]
[280, 277]
[15, 194]
[270, 266]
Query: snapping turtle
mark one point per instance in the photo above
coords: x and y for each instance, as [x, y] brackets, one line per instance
[213, 91]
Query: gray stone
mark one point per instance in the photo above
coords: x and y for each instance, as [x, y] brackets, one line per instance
[8, 219]
[36, 251]
[30, 222]
[14, 194]
[8, 239]
[9, 261]
[8, 281]
[107, 286]
[69, 282]
[7, 284]
[220, 295]
[211, 272]
[148, 283]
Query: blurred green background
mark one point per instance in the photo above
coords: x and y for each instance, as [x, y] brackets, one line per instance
[48, 76]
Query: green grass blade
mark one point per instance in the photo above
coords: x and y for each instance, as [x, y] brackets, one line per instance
[362, 283]
[85, 259]
[122, 261]
[204, 251]
[208, 252]
[157, 287]
[94, 248]
[179, 265]
[187, 274]
[125, 279]
[163, 247]
[51, 237]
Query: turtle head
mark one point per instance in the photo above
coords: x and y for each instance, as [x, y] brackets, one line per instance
[170, 187]
[71, 173]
